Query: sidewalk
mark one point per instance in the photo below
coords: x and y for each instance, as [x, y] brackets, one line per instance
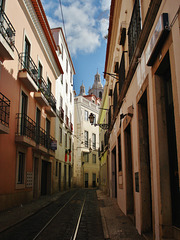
[115, 224]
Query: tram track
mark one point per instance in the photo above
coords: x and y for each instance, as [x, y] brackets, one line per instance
[67, 218]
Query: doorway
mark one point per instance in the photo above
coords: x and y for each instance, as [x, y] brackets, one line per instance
[59, 177]
[46, 178]
[94, 180]
[129, 173]
[86, 180]
[145, 168]
[36, 185]
[114, 174]
[64, 177]
[163, 76]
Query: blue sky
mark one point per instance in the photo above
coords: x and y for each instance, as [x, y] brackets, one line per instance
[86, 25]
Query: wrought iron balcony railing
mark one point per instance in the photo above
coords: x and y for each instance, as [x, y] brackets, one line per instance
[25, 126]
[134, 29]
[6, 29]
[43, 87]
[4, 110]
[29, 128]
[28, 64]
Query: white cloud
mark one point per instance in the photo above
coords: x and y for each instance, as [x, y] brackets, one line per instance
[85, 23]
[105, 4]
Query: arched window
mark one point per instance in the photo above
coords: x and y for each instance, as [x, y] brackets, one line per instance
[100, 94]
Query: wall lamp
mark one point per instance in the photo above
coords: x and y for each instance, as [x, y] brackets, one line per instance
[104, 126]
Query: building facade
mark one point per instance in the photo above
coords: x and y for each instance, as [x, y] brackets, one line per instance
[86, 142]
[29, 68]
[65, 119]
[143, 88]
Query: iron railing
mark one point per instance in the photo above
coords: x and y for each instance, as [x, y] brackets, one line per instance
[25, 126]
[6, 29]
[28, 64]
[43, 87]
[134, 29]
[4, 110]
[29, 128]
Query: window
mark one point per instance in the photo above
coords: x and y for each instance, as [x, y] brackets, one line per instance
[71, 77]
[62, 78]
[61, 102]
[48, 86]
[65, 140]
[100, 94]
[119, 153]
[94, 158]
[70, 143]
[62, 50]
[56, 168]
[40, 71]
[86, 115]
[66, 65]
[86, 156]
[27, 48]
[66, 88]
[86, 138]
[70, 118]
[94, 141]
[21, 168]
[71, 97]
[60, 135]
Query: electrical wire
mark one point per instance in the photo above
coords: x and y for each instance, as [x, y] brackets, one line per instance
[63, 19]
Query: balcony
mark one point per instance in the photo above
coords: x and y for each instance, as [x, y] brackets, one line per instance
[4, 114]
[134, 29]
[44, 142]
[67, 121]
[28, 73]
[7, 37]
[61, 114]
[26, 130]
[41, 95]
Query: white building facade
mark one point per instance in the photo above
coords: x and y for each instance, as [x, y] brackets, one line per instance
[65, 119]
[86, 142]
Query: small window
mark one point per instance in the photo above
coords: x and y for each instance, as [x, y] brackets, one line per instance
[66, 65]
[56, 168]
[71, 77]
[60, 135]
[65, 140]
[21, 168]
[86, 138]
[66, 88]
[86, 157]
[48, 86]
[86, 115]
[61, 78]
[40, 71]
[94, 141]
[94, 158]
[61, 102]
[71, 97]
[62, 50]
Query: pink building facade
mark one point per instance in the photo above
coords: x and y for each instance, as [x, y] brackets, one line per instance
[28, 69]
